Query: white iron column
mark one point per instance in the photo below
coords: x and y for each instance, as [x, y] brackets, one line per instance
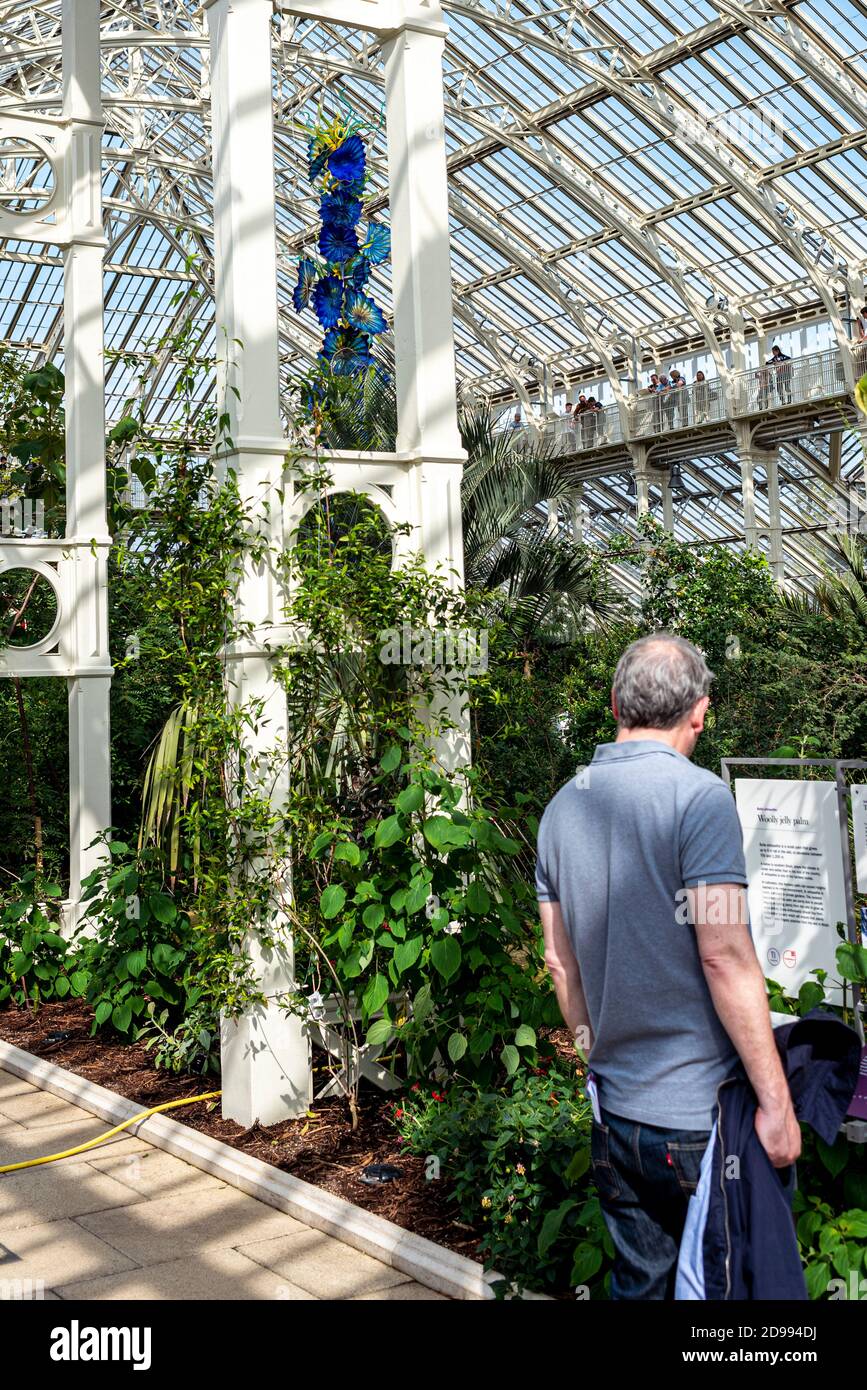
[265, 1053]
[642, 480]
[747, 458]
[579, 514]
[86, 520]
[667, 503]
[422, 289]
[776, 555]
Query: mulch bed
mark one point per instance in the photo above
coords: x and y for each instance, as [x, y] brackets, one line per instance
[323, 1149]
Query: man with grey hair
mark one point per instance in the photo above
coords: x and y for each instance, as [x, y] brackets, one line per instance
[640, 878]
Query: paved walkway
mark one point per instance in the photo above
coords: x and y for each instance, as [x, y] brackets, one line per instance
[129, 1221]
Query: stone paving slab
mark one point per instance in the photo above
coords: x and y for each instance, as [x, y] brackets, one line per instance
[37, 1195]
[19, 1142]
[322, 1264]
[127, 1221]
[220, 1217]
[41, 1108]
[57, 1252]
[212, 1275]
[152, 1173]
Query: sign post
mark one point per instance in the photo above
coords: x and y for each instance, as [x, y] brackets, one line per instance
[796, 843]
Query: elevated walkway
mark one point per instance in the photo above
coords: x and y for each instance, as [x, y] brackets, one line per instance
[794, 400]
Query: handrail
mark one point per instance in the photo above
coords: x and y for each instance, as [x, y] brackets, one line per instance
[767, 387]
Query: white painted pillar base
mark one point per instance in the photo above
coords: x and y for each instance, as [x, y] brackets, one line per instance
[89, 782]
[266, 1067]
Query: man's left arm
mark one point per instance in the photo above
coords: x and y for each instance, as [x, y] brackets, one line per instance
[566, 975]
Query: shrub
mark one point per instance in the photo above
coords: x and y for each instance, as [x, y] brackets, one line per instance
[519, 1162]
[34, 961]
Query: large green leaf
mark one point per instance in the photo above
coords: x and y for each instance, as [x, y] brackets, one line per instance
[375, 995]
[388, 832]
[411, 798]
[445, 954]
[407, 953]
[552, 1224]
[332, 900]
[443, 834]
[478, 898]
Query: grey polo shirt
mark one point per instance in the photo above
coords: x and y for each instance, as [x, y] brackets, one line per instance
[617, 847]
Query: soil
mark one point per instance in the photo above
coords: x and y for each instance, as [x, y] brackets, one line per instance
[322, 1149]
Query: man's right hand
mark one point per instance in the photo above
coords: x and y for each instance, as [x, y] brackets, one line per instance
[779, 1134]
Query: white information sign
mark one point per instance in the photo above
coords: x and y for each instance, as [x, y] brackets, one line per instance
[859, 829]
[796, 891]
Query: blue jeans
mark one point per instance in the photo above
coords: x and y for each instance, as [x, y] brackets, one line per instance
[645, 1177]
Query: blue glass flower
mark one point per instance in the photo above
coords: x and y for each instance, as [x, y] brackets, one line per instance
[328, 300]
[346, 350]
[346, 163]
[377, 244]
[306, 280]
[315, 162]
[359, 275]
[339, 210]
[363, 314]
[337, 243]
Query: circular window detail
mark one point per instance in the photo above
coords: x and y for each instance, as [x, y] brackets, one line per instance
[28, 607]
[26, 177]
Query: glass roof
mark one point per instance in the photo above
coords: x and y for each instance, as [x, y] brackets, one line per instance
[624, 181]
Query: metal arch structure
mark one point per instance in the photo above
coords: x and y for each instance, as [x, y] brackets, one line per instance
[607, 197]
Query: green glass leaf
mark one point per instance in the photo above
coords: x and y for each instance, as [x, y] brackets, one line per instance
[457, 1046]
[511, 1059]
[525, 1036]
[373, 916]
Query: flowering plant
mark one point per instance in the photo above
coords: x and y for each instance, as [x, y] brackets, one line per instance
[336, 283]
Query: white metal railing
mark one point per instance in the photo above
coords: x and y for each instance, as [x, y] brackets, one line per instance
[814, 377]
[700, 403]
[592, 429]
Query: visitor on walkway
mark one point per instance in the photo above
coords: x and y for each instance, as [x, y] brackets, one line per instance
[669, 403]
[701, 398]
[861, 325]
[680, 402]
[588, 423]
[640, 880]
[763, 388]
[782, 374]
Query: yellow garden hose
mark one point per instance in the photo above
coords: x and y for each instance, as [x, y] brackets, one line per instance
[92, 1143]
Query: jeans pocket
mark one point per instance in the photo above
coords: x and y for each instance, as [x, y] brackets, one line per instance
[685, 1158]
[604, 1174]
